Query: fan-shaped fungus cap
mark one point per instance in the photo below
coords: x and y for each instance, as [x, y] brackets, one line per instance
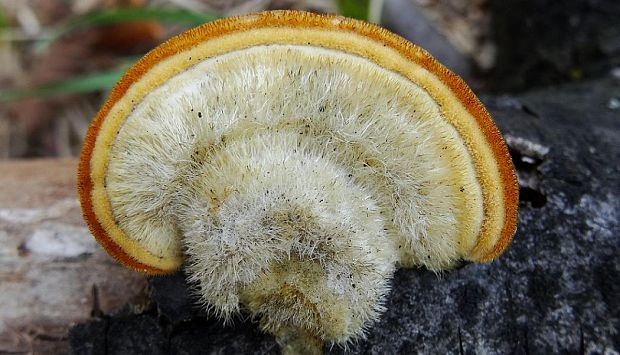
[288, 138]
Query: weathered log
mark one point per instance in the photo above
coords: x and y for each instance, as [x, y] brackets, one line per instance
[52, 273]
[554, 291]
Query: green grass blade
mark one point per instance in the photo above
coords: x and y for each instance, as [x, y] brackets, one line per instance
[4, 21]
[358, 9]
[85, 83]
[119, 15]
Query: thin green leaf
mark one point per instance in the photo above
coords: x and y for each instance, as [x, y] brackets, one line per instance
[358, 9]
[105, 17]
[4, 21]
[85, 83]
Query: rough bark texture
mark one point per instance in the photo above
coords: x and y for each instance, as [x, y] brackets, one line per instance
[554, 291]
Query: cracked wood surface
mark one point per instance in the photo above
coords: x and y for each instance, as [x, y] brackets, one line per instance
[52, 272]
[554, 291]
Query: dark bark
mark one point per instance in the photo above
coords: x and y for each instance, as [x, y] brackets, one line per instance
[555, 290]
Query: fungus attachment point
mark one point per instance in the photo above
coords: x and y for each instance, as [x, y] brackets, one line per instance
[292, 161]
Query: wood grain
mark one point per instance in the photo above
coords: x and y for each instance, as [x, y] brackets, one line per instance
[50, 266]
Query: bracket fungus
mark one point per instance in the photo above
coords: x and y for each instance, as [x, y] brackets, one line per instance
[291, 162]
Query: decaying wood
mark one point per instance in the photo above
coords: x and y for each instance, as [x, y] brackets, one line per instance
[554, 291]
[52, 272]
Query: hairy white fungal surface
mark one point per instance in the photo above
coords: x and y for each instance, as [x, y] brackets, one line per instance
[294, 178]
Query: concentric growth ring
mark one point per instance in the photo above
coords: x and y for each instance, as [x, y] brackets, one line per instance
[395, 129]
